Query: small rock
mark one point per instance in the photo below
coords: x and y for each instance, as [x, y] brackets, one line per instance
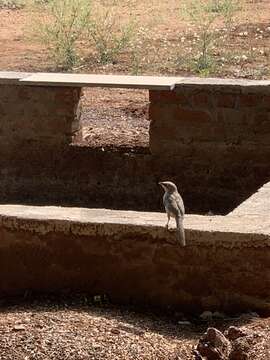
[240, 349]
[216, 338]
[131, 329]
[214, 345]
[18, 327]
[184, 322]
[234, 332]
[206, 315]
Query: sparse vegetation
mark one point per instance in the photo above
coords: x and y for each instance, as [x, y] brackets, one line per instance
[108, 34]
[11, 4]
[95, 25]
[227, 9]
[205, 16]
[67, 22]
[213, 37]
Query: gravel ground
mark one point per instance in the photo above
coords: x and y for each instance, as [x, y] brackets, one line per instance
[75, 330]
[81, 332]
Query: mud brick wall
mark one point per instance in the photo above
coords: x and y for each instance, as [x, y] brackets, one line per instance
[37, 116]
[36, 127]
[200, 119]
[213, 137]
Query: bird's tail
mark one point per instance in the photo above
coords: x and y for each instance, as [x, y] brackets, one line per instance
[180, 231]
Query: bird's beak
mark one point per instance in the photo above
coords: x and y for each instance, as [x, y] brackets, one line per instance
[162, 184]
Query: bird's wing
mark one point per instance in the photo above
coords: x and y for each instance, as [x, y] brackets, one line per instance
[179, 203]
[174, 204]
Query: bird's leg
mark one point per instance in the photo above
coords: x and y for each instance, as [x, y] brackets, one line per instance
[167, 225]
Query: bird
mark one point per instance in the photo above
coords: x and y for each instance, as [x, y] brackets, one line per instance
[174, 207]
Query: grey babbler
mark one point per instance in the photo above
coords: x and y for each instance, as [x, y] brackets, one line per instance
[174, 207]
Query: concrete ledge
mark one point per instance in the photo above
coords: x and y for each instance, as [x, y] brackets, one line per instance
[12, 77]
[131, 257]
[92, 80]
[61, 219]
[236, 85]
[136, 82]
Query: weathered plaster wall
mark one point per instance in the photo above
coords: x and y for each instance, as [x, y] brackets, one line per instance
[130, 257]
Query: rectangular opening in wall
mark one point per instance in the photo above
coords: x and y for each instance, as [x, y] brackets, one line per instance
[114, 119]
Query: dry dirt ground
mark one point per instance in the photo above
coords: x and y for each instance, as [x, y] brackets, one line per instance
[113, 118]
[76, 331]
[164, 39]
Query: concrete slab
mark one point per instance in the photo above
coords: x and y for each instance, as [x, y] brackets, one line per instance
[235, 85]
[11, 77]
[92, 80]
[124, 81]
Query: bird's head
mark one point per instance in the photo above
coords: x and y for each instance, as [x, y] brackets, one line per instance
[168, 186]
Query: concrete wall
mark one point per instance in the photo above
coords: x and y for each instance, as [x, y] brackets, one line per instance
[132, 258]
[210, 139]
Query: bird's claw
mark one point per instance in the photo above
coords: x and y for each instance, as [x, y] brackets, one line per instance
[169, 229]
